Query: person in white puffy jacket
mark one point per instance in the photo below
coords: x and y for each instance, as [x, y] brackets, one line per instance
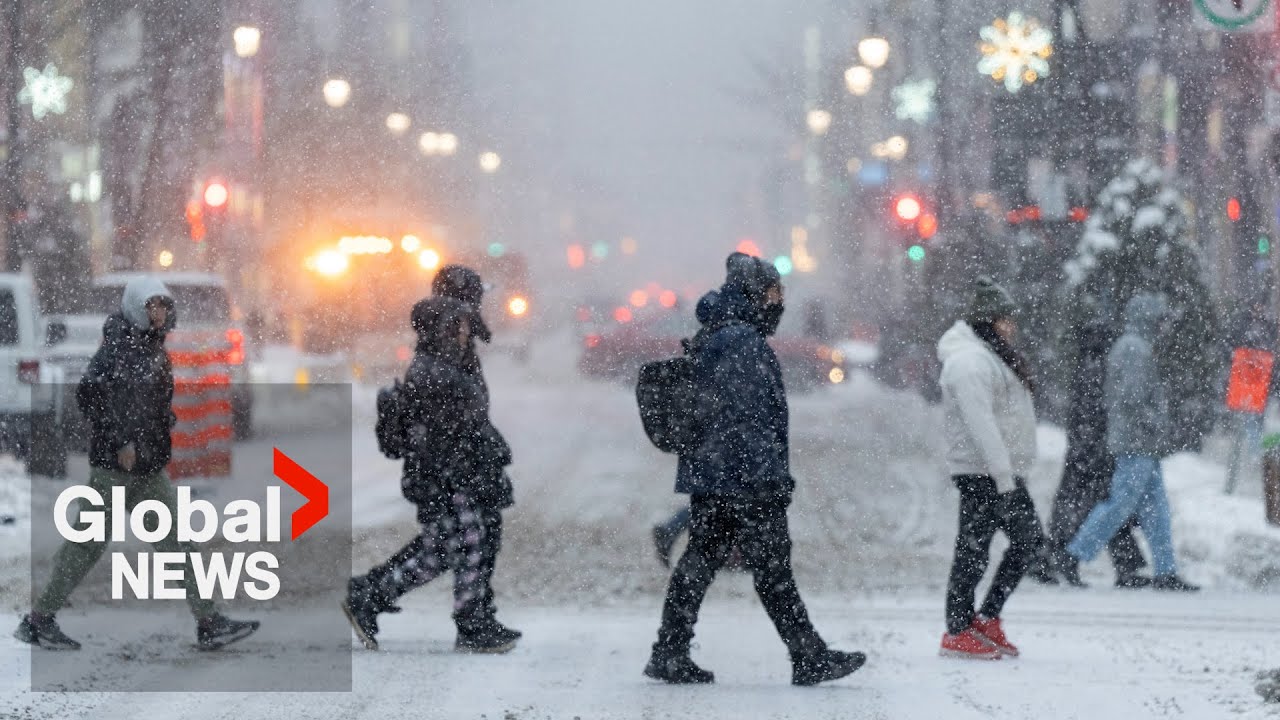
[991, 434]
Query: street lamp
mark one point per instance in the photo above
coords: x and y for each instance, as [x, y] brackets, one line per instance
[490, 162]
[819, 121]
[337, 92]
[858, 79]
[874, 52]
[448, 143]
[397, 123]
[246, 39]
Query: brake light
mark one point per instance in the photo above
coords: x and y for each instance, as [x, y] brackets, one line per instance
[592, 341]
[235, 355]
[29, 371]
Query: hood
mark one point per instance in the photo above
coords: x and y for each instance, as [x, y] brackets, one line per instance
[133, 303]
[1142, 315]
[750, 275]
[959, 338]
[436, 321]
[462, 283]
[726, 305]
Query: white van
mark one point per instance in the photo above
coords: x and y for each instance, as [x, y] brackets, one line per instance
[30, 387]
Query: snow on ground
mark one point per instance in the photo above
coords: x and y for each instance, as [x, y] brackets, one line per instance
[873, 521]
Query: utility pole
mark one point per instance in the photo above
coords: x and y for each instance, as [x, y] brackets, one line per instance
[10, 185]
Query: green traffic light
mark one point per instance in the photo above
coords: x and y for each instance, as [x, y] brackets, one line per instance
[915, 253]
[497, 249]
[1264, 245]
[600, 250]
[783, 265]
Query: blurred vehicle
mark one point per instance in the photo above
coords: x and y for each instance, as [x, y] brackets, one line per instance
[859, 353]
[206, 322]
[618, 352]
[31, 387]
[73, 340]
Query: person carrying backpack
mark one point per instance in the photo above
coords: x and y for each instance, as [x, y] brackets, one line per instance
[127, 396]
[739, 481]
[451, 453]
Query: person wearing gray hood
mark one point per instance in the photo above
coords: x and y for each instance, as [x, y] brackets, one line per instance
[991, 431]
[1137, 423]
[127, 395]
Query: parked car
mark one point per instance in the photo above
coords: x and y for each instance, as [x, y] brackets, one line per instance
[31, 388]
[73, 340]
[206, 320]
[618, 352]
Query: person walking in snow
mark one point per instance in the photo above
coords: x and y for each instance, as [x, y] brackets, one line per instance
[453, 456]
[991, 433]
[739, 481]
[126, 394]
[491, 492]
[1137, 424]
[1086, 475]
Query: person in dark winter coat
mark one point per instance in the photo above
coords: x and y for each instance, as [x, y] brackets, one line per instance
[455, 457]
[127, 396]
[1137, 426]
[991, 432]
[739, 482]
[492, 492]
[1086, 476]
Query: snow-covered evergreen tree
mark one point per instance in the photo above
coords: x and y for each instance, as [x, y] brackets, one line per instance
[1136, 239]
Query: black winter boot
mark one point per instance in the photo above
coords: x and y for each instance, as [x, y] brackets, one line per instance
[663, 542]
[676, 668]
[823, 666]
[1132, 581]
[1173, 583]
[44, 632]
[1069, 568]
[489, 637]
[362, 606]
[218, 631]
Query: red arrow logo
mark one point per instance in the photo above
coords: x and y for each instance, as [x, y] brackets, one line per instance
[316, 493]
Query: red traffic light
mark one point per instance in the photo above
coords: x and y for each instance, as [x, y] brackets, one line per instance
[216, 194]
[1233, 209]
[907, 208]
[927, 226]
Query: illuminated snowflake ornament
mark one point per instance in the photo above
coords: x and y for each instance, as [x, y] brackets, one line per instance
[914, 100]
[45, 91]
[1015, 51]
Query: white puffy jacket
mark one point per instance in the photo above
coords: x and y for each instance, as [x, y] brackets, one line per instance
[991, 421]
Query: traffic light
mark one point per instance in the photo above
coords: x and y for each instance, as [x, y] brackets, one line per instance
[216, 195]
[916, 253]
[1233, 209]
[907, 208]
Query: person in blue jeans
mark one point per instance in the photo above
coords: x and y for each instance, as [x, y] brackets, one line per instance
[1137, 420]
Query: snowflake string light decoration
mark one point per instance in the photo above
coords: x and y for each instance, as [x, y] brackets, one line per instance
[915, 100]
[1015, 51]
[45, 91]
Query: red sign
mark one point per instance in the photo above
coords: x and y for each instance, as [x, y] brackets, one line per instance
[1250, 380]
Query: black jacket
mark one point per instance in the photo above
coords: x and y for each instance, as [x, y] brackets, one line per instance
[454, 447]
[743, 404]
[127, 392]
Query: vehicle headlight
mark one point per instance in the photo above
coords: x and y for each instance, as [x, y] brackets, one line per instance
[836, 376]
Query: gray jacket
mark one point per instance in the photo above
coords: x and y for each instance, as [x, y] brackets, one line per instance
[1137, 406]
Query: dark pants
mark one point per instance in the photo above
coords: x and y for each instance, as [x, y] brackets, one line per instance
[449, 541]
[677, 523]
[1081, 489]
[760, 529]
[475, 606]
[983, 511]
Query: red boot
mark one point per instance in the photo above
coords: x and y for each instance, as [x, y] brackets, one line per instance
[968, 644]
[991, 630]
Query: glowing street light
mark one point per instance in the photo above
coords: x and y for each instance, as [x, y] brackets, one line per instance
[246, 39]
[490, 162]
[874, 52]
[429, 259]
[410, 243]
[429, 143]
[337, 92]
[819, 121]
[1015, 51]
[166, 258]
[448, 144]
[330, 263]
[397, 123]
[858, 79]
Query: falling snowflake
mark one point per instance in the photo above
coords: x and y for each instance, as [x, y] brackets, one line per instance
[1015, 51]
[915, 100]
[45, 91]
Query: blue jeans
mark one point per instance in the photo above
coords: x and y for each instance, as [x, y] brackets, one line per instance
[1136, 487]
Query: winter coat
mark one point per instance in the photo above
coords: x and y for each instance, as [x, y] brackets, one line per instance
[1087, 416]
[742, 406]
[126, 393]
[990, 417]
[454, 447]
[1136, 401]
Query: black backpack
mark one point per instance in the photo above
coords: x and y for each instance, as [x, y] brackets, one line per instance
[393, 435]
[668, 401]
